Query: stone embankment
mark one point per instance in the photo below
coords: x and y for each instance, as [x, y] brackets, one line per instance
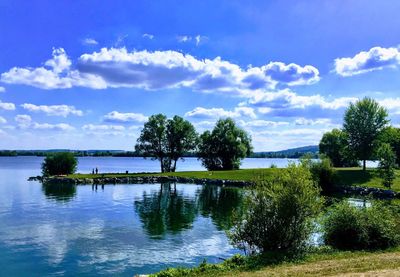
[137, 180]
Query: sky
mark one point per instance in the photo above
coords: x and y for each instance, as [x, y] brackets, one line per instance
[87, 74]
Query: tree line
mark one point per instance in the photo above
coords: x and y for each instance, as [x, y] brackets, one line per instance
[167, 140]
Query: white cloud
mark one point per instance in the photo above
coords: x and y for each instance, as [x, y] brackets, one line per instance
[56, 110]
[92, 127]
[288, 99]
[2, 120]
[25, 122]
[262, 123]
[115, 116]
[116, 67]
[90, 41]
[183, 38]
[56, 74]
[292, 74]
[7, 106]
[2, 89]
[374, 59]
[201, 112]
[149, 36]
[312, 122]
[54, 127]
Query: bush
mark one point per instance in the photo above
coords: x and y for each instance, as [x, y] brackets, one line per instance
[322, 172]
[387, 163]
[61, 163]
[280, 214]
[347, 227]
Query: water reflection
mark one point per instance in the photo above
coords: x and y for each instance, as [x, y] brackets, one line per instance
[168, 210]
[59, 192]
[220, 203]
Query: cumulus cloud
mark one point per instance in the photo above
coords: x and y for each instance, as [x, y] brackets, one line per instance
[116, 67]
[2, 89]
[374, 59]
[7, 106]
[92, 127]
[119, 117]
[2, 120]
[25, 122]
[201, 112]
[56, 110]
[289, 104]
[55, 74]
[183, 38]
[90, 41]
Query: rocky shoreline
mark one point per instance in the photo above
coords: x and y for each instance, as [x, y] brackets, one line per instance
[137, 180]
[345, 190]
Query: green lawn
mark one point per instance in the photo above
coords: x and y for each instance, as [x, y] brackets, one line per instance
[346, 176]
[331, 263]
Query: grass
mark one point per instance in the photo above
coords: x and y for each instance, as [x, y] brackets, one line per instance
[322, 263]
[346, 176]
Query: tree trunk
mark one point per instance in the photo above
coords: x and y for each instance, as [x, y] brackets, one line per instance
[364, 165]
[174, 168]
[162, 165]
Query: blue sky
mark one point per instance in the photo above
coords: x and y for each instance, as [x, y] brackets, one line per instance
[87, 74]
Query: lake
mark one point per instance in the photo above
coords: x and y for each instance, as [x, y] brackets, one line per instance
[120, 230]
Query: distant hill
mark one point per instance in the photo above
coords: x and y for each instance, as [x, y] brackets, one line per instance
[289, 153]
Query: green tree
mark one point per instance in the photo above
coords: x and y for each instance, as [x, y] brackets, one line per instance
[61, 163]
[225, 146]
[391, 135]
[363, 122]
[166, 140]
[387, 163]
[279, 213]
[334, 145]
[182, 138]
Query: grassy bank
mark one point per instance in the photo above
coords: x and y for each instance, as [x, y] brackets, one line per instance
[346, 176]
[324, 263]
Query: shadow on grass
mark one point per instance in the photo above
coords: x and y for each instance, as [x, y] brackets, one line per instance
[355, 177]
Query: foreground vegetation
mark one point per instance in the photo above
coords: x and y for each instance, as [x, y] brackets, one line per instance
[321, 262]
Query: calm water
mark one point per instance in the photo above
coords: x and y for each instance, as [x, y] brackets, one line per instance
[118, 230]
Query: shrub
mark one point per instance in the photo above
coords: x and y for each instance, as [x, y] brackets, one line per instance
[322, 172]
[387, 163]
[347, 227]
[61, 163]
[280, 214]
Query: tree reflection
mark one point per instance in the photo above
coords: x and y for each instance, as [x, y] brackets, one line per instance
[59, 192]
[220, 203]
[169, 210]
[166, 210]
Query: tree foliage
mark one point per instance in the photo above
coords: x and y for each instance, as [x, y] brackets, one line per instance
[225, 146]
[391, 135]
[387, 163]
[280, 212]
[349, 227]
[166, 140]
[334, 145]
[61, 163]
[363, 123]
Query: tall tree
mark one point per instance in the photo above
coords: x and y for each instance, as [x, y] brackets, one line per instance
[363, 122]
[334, 145]
[225, 146]
[166, 140]
[182, 138]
